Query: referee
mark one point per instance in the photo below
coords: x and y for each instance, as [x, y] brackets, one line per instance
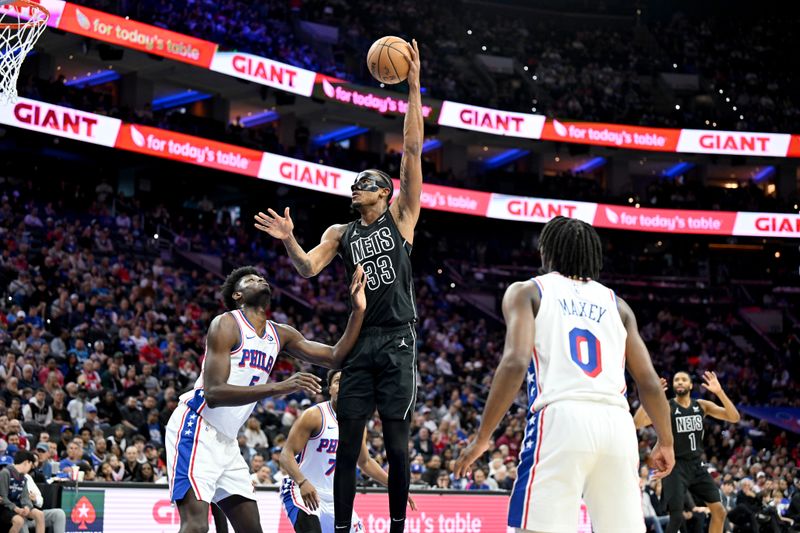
[687, 430]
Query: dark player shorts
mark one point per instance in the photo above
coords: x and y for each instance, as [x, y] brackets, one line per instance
[381, 372]
[691, 476]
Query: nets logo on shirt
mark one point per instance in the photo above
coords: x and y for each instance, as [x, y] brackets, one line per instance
[84, 510]
[688, 424]
[380, 270]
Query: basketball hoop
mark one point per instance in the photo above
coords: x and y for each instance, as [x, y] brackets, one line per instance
[21, 24]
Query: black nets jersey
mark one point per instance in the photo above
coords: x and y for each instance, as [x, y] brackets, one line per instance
[687, 429]
[386, 259]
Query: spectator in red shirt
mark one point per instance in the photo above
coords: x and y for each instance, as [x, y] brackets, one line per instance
[511, 439]
[151, 353]
[51, 367]
[89, 377]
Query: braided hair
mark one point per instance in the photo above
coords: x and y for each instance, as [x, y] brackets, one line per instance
[572, 248]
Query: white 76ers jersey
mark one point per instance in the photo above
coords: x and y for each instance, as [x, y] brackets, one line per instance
[251, 364]
[579, 351]
[318, 458]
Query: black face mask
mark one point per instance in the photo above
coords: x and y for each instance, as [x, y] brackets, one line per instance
[367, 184]
[372, 182]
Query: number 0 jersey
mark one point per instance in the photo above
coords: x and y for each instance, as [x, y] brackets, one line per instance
[251, 364]
[386, 258]
[579, 348]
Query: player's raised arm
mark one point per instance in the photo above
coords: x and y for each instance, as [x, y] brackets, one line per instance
[405, 209]
[322, 354]
[651, 393]
[223, 336]
[518, 313]
[308, 264]
[309, 424]
[640, 418]
[727, 411]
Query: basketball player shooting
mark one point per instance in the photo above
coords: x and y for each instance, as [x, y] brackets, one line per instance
[573, 338]
[687, 427]
[381, 369]
[307, 493]
[203, 457]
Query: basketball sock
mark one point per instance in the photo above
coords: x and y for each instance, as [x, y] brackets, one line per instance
[395, 437]
[397, 525]
[351, 434]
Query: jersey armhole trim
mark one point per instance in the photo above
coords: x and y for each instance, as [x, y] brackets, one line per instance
[277, 337]
[322, 425]
[539, 287]
[241, 335]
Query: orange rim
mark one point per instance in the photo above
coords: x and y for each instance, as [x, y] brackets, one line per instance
[30, 5]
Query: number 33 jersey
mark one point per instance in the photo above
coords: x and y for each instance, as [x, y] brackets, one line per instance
[386, 258]
[579, 348]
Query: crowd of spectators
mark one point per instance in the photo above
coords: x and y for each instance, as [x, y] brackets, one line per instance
[100, 334]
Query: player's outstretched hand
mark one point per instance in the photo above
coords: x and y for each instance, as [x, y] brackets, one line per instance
[309, 494]
[664, 385]
[711, 382]
[663, 458]
[303, 381]
[469, 455]
[413, 61]
[412, 503]
[357, 295]
[278, 226]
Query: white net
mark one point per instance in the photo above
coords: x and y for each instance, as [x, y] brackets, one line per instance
[21, 24]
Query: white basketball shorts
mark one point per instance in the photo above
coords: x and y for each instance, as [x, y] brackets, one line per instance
[575, 449]
[293, 505]
[204, 460]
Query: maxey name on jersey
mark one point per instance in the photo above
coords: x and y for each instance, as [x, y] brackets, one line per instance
[579, 308]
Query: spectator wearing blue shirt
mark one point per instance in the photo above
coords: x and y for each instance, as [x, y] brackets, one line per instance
[74, 458]
[478, 480]
[46, 465]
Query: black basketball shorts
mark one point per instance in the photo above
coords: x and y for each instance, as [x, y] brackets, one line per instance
[381, 372]
[692, 476]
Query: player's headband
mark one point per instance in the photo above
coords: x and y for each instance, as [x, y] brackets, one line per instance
[372, 181]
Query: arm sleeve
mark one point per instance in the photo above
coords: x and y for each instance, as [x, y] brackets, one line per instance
[34, 493]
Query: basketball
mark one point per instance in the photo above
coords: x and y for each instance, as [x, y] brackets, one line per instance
[387, 60]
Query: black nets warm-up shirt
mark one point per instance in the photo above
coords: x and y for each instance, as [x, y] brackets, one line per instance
[385, 257]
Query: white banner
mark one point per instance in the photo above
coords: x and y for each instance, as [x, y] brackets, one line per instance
[767, 225]
[61, 121]
[265, 72]
[492, 121]
[143, 510]
[538, 209]
[733, 142]
[312, 176]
